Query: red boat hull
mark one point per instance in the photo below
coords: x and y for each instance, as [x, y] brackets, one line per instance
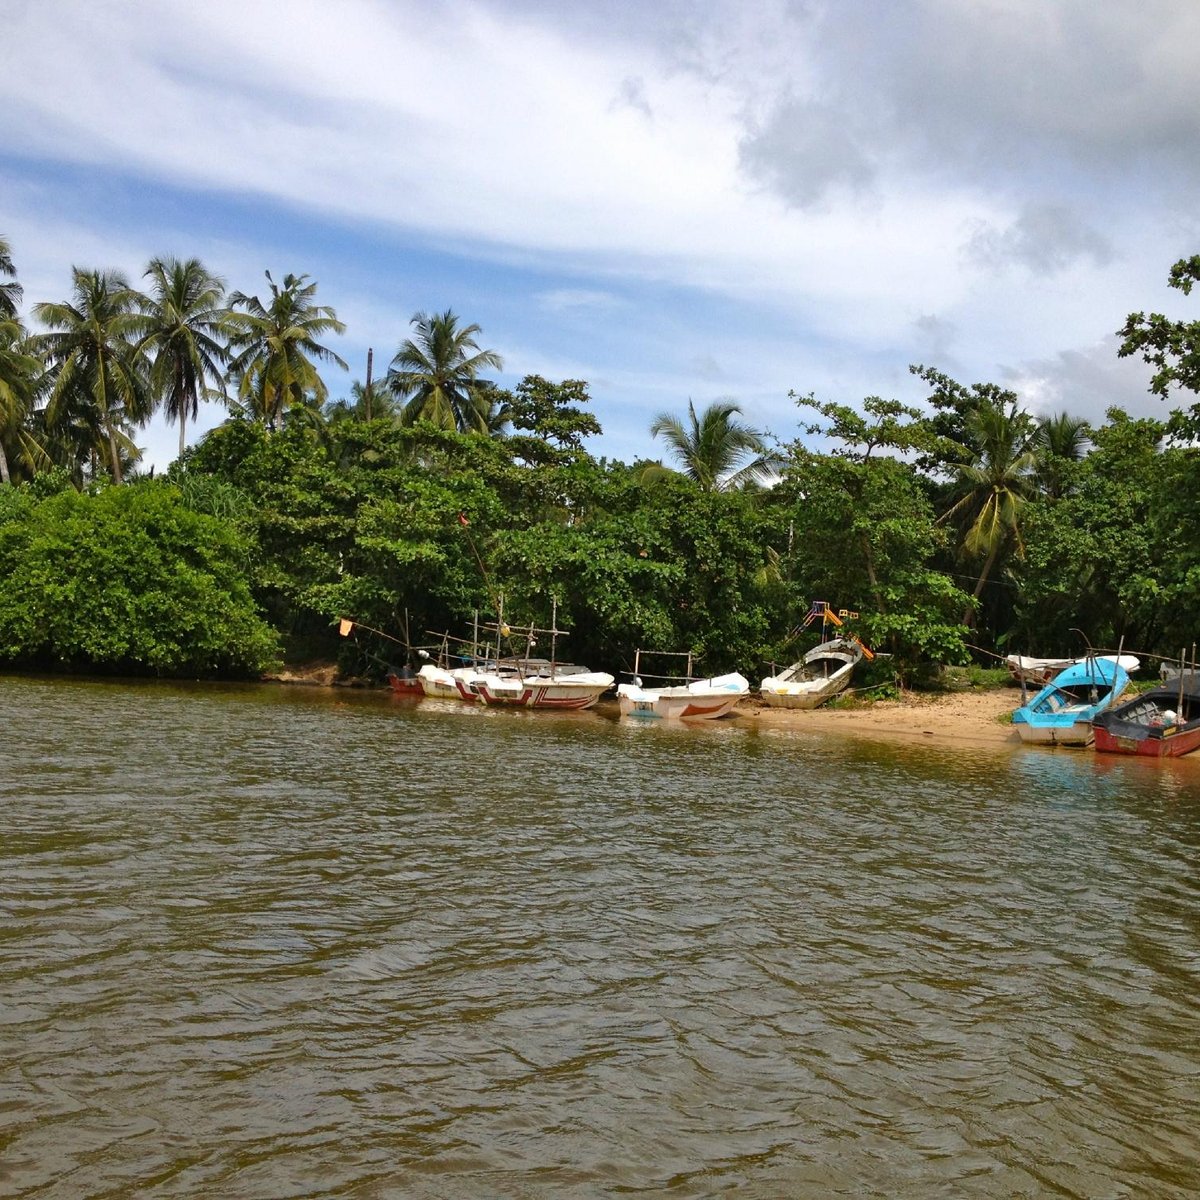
[1170, 745]
[405, 687]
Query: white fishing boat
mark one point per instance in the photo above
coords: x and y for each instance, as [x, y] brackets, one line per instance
[1039, 671]
[824, 672]
[533, 683]
[702, 699]
[691, 699]
[445, 683]
[515, 681]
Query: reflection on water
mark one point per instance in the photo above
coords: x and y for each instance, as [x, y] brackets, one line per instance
[275, 942]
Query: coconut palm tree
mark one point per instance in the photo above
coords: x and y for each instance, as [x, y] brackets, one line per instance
[994, 487]
[98, 386]
[711, 446]
[10, 293]
[275, 345]
[493, 409]
[380, 404]
[437, 371]
[20, 378]
[1060, 439]
[185, 329]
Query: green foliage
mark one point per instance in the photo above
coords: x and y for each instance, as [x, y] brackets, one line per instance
[713, 446]
[1092, 557]
[127, 580]
[551, 418]
[438, 371]
[975, 677]
[98, 386]
[863, 537]
[956, 410]
[1171, 347]
[10, 291]
[275, 348]
[184, 330]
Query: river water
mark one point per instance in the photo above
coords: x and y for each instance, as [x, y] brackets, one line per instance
[282, 942]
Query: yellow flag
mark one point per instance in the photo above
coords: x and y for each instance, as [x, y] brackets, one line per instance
[345, 627]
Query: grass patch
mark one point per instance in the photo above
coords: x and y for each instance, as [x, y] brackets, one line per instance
[973, 678]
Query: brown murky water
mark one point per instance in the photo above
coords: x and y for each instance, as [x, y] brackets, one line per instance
[263, 942]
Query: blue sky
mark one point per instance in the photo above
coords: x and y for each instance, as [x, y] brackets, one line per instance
[673, 201]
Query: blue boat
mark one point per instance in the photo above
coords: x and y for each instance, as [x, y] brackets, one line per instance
[1061, 714]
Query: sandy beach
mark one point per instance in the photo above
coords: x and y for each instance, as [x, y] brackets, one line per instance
[961, 718]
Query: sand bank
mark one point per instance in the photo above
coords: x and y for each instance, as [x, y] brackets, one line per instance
[961, 718]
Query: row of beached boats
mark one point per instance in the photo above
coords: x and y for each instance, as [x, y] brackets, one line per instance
[1081, 704]
[470, 673]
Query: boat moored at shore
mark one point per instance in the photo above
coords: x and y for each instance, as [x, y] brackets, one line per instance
[1161, 723]
[1063, 712]
[824, 672]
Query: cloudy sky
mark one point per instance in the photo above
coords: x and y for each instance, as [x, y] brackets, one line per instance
[671, 199]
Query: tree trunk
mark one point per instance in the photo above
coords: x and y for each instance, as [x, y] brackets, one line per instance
[969, 614]
[116, 457]
[869, 562]
[4, 466]
[182, 422]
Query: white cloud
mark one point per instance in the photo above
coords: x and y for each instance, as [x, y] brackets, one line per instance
[752, 196]
[1087, 381]
[564, 299]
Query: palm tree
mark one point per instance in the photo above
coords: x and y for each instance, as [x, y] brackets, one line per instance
[99, 388]
[710, 447]
[994, 486]
[439, 369]
[493, 409]
[276, 344]
[185, 329]
[20, 375]
[10, 293]
[380, 404]
[1060, 439]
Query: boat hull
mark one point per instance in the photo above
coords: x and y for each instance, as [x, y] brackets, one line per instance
[1170, 744]
[439, 684]
[799, 699]
[535, 693]
[408, 686]
[505, 691]
[676, 709]
[704, 700]
[1079, 734]
[809, 683]
[1064, 711]
[1161, 723]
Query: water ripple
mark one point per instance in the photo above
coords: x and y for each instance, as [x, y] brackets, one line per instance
[266, 942]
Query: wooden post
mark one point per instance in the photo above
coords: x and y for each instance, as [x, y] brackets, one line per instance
[370, 359]
[553, 637]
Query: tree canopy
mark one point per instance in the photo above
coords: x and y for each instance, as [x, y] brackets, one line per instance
[960, 524]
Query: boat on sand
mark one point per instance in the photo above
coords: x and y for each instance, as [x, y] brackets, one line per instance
[1063, 712]
[1161, 723]
[690, 699]
[824, 672]
[513, 681]
[701, 699]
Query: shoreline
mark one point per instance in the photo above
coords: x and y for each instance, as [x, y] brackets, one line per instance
[958, 718]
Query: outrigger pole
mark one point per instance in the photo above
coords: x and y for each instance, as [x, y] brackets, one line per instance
[347, 627]
[487, 579]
